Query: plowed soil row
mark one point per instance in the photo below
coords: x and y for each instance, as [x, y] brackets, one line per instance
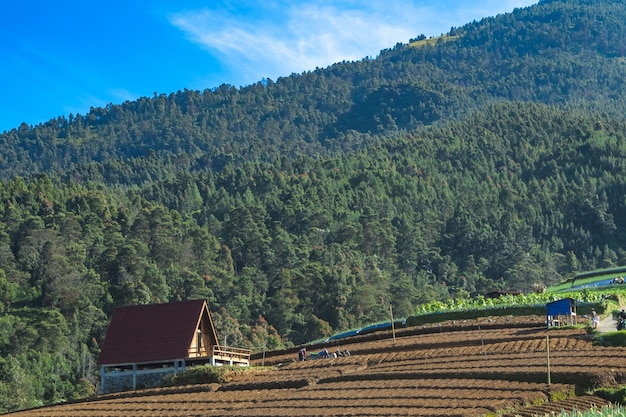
[447, 370]
[339, 400]
[366, 344]
[456, 340]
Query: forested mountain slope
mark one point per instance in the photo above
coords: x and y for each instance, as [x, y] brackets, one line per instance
[493, 160]
[558, 52]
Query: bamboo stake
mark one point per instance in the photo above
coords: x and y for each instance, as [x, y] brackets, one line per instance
[548, 356]
[393, 327]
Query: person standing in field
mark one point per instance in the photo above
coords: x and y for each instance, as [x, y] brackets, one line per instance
[595, 319]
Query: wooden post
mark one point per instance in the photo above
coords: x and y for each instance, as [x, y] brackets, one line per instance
[263, 361]
[548, 356]
[482, 341]
[393, 326]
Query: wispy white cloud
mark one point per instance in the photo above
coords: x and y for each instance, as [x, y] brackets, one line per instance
[121, 94]
[282, 37]
[82, 102]
[292, 38]
[55, 66]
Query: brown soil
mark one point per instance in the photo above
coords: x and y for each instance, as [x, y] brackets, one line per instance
[472, 368]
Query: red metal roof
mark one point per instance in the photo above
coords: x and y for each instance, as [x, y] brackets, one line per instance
[151, 332]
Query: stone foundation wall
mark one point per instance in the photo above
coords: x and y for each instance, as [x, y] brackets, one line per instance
[123, 381]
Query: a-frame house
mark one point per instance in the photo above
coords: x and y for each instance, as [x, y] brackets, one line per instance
[146, 342]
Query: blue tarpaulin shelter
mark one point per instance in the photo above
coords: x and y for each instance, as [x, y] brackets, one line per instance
[561, 312]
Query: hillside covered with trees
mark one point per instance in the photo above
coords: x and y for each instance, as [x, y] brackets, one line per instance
[491, 159]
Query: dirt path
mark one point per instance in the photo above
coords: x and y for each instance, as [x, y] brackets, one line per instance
[607, 324]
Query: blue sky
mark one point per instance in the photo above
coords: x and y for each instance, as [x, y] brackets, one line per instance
[62, 57]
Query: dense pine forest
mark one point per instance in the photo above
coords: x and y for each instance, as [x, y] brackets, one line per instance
[490, 158]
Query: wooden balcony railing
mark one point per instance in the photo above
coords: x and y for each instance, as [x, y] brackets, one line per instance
[222, 353]
[194, 352]
[227, 353]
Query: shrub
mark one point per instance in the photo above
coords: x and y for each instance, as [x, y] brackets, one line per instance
[204, 374]
[611, 339]
[615, 395]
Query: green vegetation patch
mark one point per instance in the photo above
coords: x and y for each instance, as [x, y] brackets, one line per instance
[615, 395]
[617, 338]
[209, 374]
[204, 374]
[521, 305]
[474, 314]
[433, 41]
[606, 411]
[589, 278]
[510, 305]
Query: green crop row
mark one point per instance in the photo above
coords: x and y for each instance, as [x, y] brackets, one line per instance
[606, 411]
[605, 300]
[585, 296]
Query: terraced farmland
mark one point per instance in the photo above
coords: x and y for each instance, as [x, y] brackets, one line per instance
[473, 368]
